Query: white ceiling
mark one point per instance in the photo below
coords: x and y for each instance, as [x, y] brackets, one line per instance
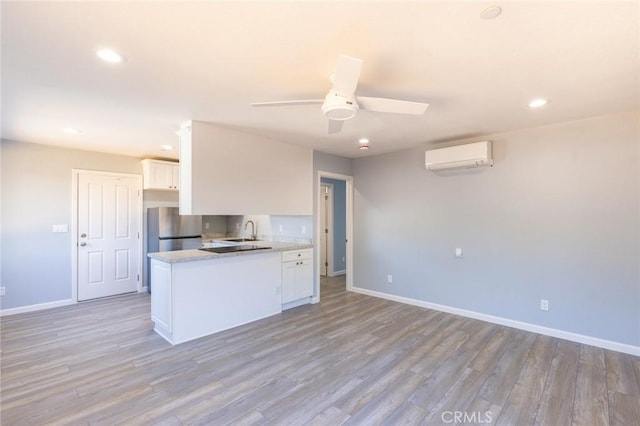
[208, 60]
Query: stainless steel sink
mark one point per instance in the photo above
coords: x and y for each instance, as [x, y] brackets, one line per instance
[232, 249]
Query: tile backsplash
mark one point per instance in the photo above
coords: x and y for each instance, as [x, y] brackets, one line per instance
[276, 228]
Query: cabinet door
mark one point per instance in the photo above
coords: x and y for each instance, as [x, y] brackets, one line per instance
[175, 176]
[297, 280]
[289, 270]
[304, 279]
[161, 295]
[161, 175]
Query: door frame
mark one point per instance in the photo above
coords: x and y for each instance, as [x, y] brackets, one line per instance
[349, 231]
[329, 224]
[75, 178]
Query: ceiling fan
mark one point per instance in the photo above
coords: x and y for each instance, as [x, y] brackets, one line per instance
[341, 104]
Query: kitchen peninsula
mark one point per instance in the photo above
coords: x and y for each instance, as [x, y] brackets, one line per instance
[196, 293]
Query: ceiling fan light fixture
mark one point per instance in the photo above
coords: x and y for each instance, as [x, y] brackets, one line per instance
[339, 107]
[339, 113]
[341, 103]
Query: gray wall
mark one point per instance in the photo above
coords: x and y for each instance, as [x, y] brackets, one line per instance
[339, 223]
[36, 193]
[556, 218]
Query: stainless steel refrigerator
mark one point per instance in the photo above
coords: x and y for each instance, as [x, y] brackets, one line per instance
[168, 231]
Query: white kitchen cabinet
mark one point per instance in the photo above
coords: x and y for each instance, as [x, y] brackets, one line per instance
[226, 172]
[159, 174]
[297, 275]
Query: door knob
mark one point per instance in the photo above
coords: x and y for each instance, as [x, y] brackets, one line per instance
[83, 244]
[83, 235]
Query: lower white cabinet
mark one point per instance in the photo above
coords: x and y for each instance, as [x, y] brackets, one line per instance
[297, 275]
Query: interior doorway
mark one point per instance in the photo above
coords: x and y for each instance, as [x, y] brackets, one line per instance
[326, 229]
[334, 227]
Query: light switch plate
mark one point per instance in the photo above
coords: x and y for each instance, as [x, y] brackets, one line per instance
[60, 228]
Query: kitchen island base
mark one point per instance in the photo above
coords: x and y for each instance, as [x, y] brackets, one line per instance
[195, 299]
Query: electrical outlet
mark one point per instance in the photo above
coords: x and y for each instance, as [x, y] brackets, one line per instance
[280, 228]
[3, 290]
[389, 279]
[343, 258]
[304, 229]
[544, 305]
[206, 225]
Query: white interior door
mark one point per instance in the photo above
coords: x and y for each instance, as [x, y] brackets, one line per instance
[108, 234]
[326, 229]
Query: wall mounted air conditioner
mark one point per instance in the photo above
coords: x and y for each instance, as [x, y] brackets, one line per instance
[477, 154]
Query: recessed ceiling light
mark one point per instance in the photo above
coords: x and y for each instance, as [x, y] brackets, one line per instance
[491, 12]
[110, 56]
[71, 130]
[166, 148]
[363, 141]
[537, 103]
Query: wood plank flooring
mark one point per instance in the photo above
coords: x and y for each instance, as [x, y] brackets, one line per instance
[352, 359]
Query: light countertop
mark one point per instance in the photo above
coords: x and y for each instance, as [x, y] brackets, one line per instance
[195, 255]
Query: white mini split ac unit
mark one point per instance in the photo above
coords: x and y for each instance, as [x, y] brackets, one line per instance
[471, 155]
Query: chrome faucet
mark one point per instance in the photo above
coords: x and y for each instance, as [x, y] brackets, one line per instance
[254, 236]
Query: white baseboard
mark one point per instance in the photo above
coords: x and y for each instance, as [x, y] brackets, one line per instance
[296, 303]
[561, 334]
[337, 273]
[38, 307]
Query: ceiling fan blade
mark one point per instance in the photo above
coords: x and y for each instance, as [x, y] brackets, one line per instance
[391, 105]
[345, 79]
[335, 126]
[287, 103]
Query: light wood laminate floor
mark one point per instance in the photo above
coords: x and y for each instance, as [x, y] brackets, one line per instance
[351, 359]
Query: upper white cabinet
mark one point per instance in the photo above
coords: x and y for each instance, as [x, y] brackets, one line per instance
[161, 175]
[227, 172]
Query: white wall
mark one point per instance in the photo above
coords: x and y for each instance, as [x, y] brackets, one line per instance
[556, 218]
[227, 172]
